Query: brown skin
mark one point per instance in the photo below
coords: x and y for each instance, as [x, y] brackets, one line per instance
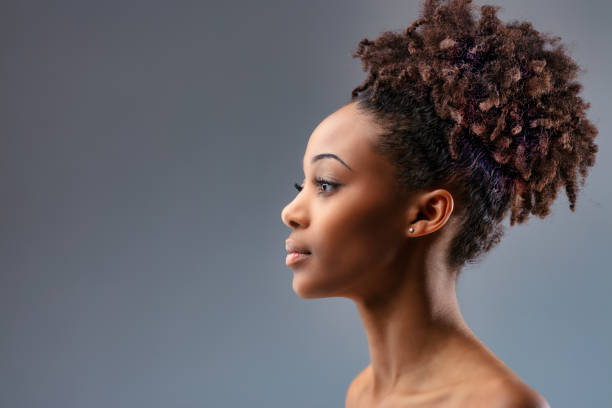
[422, 352]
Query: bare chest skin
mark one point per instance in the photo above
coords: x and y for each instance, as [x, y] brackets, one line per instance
[471, 376]
[474, 395]
[485, 385]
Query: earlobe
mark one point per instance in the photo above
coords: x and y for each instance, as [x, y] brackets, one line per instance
[413, 216]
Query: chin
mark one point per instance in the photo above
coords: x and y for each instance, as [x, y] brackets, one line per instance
[310, 289]
[304, 290]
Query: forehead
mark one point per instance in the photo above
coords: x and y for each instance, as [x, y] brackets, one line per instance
[346, 133]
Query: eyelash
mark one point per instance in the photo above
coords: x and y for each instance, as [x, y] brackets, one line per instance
[319, 182]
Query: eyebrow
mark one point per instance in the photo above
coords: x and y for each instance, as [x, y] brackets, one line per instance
[330, 156]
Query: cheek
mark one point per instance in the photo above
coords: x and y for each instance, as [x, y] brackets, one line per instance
[356, 239]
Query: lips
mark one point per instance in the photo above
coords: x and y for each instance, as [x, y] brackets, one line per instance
[293, 247]
[295, 258]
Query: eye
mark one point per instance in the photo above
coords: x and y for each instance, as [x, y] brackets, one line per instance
[319, 182]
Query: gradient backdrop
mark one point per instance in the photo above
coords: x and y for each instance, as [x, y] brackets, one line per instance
[147, 149]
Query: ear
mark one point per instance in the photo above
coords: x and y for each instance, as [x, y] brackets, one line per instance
[428, 212]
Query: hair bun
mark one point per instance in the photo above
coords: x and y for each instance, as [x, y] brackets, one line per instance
[489, 106]
[505, 86]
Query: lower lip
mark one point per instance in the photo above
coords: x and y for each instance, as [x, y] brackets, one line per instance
[295, 257]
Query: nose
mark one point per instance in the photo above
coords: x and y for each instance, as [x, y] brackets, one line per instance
[294, 214]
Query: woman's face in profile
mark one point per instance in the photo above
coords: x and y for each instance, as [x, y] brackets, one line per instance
[353, 223]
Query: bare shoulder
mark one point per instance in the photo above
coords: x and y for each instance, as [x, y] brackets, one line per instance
[356, 387]
[510, 392]
[501, 387]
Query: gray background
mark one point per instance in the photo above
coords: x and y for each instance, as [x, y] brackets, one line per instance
[147, 150]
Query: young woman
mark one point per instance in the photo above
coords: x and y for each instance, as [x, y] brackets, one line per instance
[459, 123]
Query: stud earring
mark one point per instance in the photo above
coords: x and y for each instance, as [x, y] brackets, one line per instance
[411, 229]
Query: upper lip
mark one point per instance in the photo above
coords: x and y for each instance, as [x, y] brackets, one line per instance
[292, 246]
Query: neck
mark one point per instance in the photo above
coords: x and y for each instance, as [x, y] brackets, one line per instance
[411, 326]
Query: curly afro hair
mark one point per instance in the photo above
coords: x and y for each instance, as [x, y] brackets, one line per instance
[490, 109]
